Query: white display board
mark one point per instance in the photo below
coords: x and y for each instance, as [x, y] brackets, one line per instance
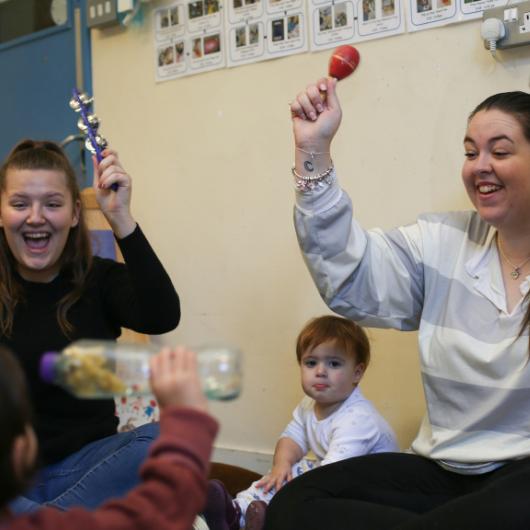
[194, 36]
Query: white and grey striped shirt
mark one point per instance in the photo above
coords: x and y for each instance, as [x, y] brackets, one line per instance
[442, 277]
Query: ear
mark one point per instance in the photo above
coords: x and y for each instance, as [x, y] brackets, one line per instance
[24, 452]
[18, 455]
[358, 373]
[76, 213]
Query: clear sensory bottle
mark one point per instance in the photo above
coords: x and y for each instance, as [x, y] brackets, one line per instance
[93, 369]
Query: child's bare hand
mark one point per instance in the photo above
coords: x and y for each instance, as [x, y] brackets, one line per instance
[278, 476]
[174, 379]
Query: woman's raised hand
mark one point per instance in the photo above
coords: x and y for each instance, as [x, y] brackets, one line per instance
[316, 115]
[115, 204]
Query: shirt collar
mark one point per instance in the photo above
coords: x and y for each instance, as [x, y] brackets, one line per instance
[485, 269]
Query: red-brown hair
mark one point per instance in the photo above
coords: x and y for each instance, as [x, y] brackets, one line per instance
[345, 334]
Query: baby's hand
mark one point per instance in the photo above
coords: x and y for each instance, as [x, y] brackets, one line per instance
[278, 476]
[175, 380]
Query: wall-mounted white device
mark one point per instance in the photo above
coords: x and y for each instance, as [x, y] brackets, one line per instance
[492, 30]
[506, 27]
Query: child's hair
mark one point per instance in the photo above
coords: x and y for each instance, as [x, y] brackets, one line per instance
[76, 258]
[15, 416]
[345, 334]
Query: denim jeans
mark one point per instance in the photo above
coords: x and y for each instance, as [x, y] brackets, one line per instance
[101, 470]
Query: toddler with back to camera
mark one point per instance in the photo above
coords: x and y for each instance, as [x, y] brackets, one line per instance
[173, 477]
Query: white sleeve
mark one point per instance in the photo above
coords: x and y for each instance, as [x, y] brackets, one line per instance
[372, 277]
[295, 430]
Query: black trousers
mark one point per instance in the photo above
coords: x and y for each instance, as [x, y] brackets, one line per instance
[402, 492]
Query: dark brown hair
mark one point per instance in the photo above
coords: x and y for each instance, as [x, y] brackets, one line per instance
[345, 334]
[76, 257]
[516, 104]
[15, 417]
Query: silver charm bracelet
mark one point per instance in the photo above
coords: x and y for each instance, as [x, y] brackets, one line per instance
[311, 182]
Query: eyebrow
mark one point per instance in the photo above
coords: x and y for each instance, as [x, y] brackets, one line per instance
[326, 357]
[491, 140]
[21, 195]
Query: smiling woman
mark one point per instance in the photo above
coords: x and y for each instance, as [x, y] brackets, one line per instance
[54, 291]
[27, 203]
[37, 213]
[496, 170]
[496, 174]
[462, 279]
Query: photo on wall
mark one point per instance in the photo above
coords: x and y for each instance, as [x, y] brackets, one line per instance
[278, 30]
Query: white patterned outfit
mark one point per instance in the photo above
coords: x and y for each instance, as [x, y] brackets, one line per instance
[354, 429]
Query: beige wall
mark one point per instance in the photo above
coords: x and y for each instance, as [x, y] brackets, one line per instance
[210, 156]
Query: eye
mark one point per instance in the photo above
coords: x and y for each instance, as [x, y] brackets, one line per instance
[18, 205]
[500, 154]
[310, 363]
[470, 155]
[335, 363]
[54, 204]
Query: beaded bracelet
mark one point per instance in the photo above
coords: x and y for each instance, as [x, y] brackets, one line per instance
[311, 182]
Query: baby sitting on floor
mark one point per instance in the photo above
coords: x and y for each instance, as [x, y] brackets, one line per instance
[333, 422]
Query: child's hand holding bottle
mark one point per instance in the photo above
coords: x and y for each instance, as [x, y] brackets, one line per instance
[174, 379]
[93, 369]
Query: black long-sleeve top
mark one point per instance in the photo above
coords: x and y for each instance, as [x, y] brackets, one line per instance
[138, 295]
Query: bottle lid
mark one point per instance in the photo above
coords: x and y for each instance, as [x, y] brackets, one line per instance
[47, 366]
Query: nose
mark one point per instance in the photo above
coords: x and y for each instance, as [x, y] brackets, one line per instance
[482, 164]
[321, 370]
[35, 215]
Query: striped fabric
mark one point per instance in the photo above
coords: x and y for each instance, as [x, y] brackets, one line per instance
[442, 277]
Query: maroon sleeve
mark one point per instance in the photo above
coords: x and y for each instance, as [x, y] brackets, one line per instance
[173, 488]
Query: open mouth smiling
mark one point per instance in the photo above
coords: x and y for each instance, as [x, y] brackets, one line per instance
[487, 189]
[36, 240]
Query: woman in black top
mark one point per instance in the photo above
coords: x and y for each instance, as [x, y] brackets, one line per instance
[54, 291]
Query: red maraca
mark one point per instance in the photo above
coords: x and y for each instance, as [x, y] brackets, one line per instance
[343, 62]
